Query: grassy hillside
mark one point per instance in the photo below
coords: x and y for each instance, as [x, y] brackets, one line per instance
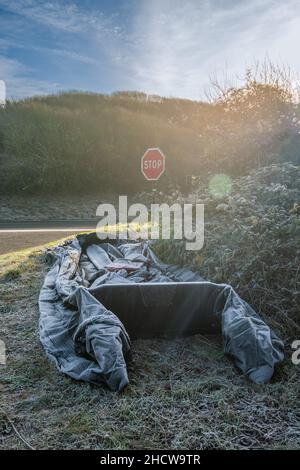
[78, 143]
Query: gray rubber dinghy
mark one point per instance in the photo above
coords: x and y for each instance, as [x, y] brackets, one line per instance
[99, 296]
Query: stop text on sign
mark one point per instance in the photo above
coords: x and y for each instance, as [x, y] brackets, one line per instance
[153, 164]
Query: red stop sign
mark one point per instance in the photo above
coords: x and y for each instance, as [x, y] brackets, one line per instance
[153, 164]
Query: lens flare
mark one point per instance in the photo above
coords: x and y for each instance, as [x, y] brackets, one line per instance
[220, 186]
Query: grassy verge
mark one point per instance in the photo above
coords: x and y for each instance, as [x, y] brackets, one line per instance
[182, 393]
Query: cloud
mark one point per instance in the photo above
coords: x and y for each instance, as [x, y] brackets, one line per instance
[64, 32]
[166, 47]
[176, 45]
[64, 53]
[18, 82]
[4, 44]
[61, 15]
[19, 33]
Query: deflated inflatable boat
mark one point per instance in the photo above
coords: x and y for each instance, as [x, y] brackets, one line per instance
[98, 296]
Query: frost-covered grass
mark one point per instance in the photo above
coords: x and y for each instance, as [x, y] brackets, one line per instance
[252, 242]
[183, 393]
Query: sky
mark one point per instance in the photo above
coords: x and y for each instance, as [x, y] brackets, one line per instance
[163, 47]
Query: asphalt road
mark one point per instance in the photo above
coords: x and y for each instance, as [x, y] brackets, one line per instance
[26, 234]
